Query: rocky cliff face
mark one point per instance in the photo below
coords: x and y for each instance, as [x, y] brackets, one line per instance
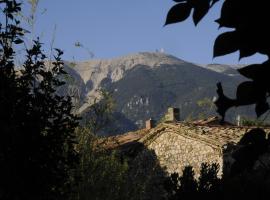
[94, 73]
[145, 84]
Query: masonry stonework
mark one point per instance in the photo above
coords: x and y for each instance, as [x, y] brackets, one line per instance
[175, 152]
[176, 145]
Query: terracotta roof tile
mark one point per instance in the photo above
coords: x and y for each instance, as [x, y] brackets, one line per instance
[212, 134]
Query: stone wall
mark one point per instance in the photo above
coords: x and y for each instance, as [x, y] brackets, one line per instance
[175, 151]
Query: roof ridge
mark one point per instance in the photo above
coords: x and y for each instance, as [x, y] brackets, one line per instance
[197, 136]
[211, 135]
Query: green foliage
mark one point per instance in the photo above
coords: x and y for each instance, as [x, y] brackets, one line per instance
[245, 121]
[99, 114]
[249, 36]
[72, 64]
[188, 187]
[207, 106]
[145, 175]
[208, 181]
[36, 124]
[245, 185]
[103, 174]
[111, 174]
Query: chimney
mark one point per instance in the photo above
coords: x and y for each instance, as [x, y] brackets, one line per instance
[150, 124]
[173, 114]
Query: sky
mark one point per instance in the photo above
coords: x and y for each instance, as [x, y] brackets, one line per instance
[110, 29]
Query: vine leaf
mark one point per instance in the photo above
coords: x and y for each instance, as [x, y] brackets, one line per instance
[256, 72]
[200, 10]
[226, 43]
[223, 103]
[246, 52]
[229, 16]
[246, 93]
[178, 13]
[261, 108]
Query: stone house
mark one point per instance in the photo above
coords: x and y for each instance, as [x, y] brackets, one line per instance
[180, 144]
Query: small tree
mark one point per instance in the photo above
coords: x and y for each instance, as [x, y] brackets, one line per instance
[102, 173]
[207, 186]
[99, 113]
[207, 106]
[36, 124]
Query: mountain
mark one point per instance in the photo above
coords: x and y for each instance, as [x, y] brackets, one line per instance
[145, 84]
[230, 70]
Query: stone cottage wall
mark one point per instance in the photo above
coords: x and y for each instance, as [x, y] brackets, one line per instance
[174, 152]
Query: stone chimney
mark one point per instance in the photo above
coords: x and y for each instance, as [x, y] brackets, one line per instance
[173, 114]
[150, 124]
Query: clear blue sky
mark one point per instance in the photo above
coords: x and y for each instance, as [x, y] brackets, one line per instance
[112, 28]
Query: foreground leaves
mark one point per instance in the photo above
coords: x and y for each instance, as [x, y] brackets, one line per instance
[250, 35]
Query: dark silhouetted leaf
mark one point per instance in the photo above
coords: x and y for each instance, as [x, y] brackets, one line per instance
[245, 52]
[249, 36]
[226, 43]
[10, 16]
[255, 136]
[248, 93]
[18, 41]
[229, 15]
[256, 72]
[261, 108]
[59, 51]
[200, 10]
[219, 22]
[223, 103]
[250, 71]
[178, 13]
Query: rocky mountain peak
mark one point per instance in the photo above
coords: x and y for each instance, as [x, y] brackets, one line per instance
[114, 68]
[146, 83]
[93, 72]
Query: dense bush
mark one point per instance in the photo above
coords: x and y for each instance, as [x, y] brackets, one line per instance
[102, 173]
[36, 124]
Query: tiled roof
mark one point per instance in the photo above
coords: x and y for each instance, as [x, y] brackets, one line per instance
[120, 140]
[211, 133]
[211, 121]
[216, 136]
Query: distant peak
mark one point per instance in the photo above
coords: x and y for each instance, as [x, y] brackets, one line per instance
[159, 56]
[151, 59]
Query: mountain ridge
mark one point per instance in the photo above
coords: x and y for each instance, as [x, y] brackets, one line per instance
[145, 84]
